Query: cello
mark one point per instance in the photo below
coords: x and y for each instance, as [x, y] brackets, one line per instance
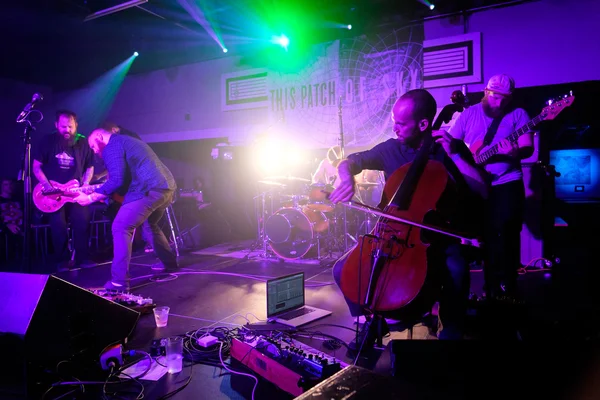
[387, 271]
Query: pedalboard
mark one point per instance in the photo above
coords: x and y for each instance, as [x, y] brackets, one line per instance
[292, 366]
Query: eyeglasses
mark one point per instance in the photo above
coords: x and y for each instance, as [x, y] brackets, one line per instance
[496, 96]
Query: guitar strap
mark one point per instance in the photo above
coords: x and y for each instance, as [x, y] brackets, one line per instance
[78, 165]
[491, 132]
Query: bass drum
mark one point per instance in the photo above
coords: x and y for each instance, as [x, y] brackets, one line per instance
[292, 232]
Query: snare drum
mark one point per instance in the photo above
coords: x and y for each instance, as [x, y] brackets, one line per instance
[292, 233]
[317, 200]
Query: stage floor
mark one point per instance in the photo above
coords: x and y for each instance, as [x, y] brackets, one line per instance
[221, 291]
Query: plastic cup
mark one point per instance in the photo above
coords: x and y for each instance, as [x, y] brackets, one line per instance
[161, 316]
[174, 353]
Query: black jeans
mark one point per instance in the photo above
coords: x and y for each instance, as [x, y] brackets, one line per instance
[80, 224]
[502, 237]
[130, 216]
[454, 276]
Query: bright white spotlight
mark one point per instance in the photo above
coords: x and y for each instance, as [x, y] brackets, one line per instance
[349, 26]
[224, 50]
[431, 6]
[135, 54]
[282, 40]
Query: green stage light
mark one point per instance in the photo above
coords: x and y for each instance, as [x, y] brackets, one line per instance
[135, 54]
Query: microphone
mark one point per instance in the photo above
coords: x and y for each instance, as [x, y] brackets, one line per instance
[37, 97]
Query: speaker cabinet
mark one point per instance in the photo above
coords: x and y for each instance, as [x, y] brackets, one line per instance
[45, 320]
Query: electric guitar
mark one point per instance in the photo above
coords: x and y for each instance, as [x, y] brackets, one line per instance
[548, 113]
[52, 200]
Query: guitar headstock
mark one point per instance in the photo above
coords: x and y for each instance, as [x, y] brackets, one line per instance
[555, 106]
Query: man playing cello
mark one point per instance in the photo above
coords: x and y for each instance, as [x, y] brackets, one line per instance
[412, 116]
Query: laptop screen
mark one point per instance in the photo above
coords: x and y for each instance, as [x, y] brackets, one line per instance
[285, 293]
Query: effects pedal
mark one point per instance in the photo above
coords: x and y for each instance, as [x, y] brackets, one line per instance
[294, 367]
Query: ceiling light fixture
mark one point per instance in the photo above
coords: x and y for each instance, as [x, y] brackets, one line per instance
[114, 9]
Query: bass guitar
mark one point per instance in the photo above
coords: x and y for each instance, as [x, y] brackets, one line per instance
[49, 201]
[548, 113]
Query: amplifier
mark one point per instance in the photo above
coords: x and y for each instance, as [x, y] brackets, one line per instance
[293, 367]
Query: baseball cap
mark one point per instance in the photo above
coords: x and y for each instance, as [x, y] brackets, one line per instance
[501, 83]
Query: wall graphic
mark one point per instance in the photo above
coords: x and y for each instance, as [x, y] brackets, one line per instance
[355, 80]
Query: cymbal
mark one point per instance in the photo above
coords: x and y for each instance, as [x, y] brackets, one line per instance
[287, 178]
[294, 196]
[367, 184]
[271, 183]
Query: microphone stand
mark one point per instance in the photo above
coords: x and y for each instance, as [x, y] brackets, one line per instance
[25, 176]
[341, 129]
[341, 141]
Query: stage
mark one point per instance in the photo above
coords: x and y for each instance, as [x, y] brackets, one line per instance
[223, 291]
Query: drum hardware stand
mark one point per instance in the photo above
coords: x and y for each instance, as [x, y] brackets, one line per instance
[261, 236]
[174, 227]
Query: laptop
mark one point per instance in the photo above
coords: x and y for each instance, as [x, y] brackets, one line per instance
[285, 302]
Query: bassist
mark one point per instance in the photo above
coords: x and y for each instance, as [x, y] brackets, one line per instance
[491, 122]
[65, 156]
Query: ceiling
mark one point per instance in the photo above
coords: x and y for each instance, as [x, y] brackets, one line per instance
[48, 42]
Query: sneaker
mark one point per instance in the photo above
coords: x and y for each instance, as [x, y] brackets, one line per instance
[116, 286]
[158, 266]
[148, 249]
[368, 335]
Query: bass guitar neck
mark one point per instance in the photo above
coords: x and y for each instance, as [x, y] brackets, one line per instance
[548, 113]
[481, 157]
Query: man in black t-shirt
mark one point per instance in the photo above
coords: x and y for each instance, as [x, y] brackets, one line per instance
[412, 116]
[65, 156]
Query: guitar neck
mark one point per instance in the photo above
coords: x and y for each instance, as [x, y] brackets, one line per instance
[486, 155]
[81, 189]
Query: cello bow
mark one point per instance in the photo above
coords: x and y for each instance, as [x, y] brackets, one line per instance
[363, 207]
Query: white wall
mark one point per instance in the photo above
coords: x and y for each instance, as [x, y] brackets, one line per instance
[156, 104]
[538, 43]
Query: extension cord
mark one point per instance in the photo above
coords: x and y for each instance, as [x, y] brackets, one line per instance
[207, 341]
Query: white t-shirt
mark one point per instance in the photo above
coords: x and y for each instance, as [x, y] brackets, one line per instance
[473, 124]
[326, 173]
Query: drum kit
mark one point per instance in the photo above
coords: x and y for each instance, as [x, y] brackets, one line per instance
[295, 219]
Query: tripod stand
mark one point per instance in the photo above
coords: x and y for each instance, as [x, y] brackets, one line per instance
[262, 213]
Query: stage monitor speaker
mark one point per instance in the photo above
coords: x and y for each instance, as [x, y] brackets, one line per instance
[46, 320]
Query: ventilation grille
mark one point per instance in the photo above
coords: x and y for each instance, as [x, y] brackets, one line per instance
[244, 90]
[452, 61]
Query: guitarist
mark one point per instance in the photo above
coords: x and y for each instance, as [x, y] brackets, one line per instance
[149, 187]
[65, 156]
[491, 121]
[101, 174]
[412, 117]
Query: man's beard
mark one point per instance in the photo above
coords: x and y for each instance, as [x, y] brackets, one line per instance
[70, 142]
[489, 111]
